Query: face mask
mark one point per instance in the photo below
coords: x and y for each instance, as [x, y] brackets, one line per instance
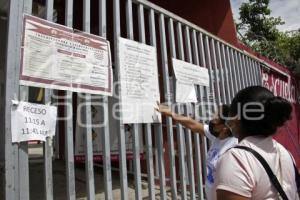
[230, 129]
[211, 129]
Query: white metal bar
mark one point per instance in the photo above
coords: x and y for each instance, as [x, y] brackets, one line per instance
[105, 127]
[251, 75]
[69, 144]
[188, 132]
[252, 71]
[246, 71]
[237, 75]
[121, 133]
[11, 165]
[159, 137]
[200, 90]
[136, 147]
[215, 72]
[234, 74]
[239, 66]
[212, 82]
[228, 75]
[169, 119]
[23, 146]
[150, 166]
[89, 162]
[180, 133]
[243, 66]
[221, 74]
[259, 73]
[48, 148]
[203, 62]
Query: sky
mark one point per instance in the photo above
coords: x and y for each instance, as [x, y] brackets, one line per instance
[288, 10]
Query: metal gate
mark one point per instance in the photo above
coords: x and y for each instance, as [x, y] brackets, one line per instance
[230, 70]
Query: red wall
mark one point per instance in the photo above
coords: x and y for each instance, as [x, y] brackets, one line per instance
[215, 16]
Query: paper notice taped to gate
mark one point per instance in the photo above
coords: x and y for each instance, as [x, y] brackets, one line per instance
[138, 82]
[59, 57]
[32, 121]
[187, 76]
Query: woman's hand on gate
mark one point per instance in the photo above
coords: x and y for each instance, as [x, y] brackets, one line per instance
[164, 109]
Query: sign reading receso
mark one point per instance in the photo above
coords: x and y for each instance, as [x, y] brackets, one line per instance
[187, 76]
[32, 121]
[138, 82]
[58, 57]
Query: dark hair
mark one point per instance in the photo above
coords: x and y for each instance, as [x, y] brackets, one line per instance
[276, 111]
[224, 112]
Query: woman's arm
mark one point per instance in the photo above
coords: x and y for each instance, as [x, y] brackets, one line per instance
[226, 195]
[187, 122]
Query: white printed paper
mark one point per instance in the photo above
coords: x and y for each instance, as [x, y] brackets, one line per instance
[58, 57]
[139, 82]
[32, 121]
[187, 76]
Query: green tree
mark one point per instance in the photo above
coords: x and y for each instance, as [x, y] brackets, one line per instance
[258, 29]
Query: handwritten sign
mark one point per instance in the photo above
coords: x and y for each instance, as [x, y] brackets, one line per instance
[139, 82]
[58, 57]
[32, 121]
[187, 76]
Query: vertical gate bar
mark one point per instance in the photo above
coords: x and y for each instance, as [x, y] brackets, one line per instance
[246, 71]
[231, 71]
[259, 71]
[196, 136]
[150, 167]
[228, 78]
[203, 62]
[161, 164]
[251, 61]
[255, 72]
[136, 162]
[105, 128]
[221, 73]
[164, 58]
[243, 66]
[169, 120]
[212, 82]
[69, 146]
[179, 127]
[188, 110]
[11, 90]
[136, 147]
[89, 164]
[240, 69]
[254, 80]
[48, 148]
[23, 148]
[121, 133]
[236, 70]
[149, 143]
[235, 76]
[250, 70]
[215, 71]
[250, 75]
[129, 22]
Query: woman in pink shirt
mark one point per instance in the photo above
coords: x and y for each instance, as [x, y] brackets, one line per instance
[256, 114]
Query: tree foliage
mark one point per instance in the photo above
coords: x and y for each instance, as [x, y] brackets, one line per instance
[258, 29]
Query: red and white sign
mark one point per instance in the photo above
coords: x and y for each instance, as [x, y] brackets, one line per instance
[58, 57]
[280, 85]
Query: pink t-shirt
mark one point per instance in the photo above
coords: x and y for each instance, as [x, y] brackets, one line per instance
[238, 171]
